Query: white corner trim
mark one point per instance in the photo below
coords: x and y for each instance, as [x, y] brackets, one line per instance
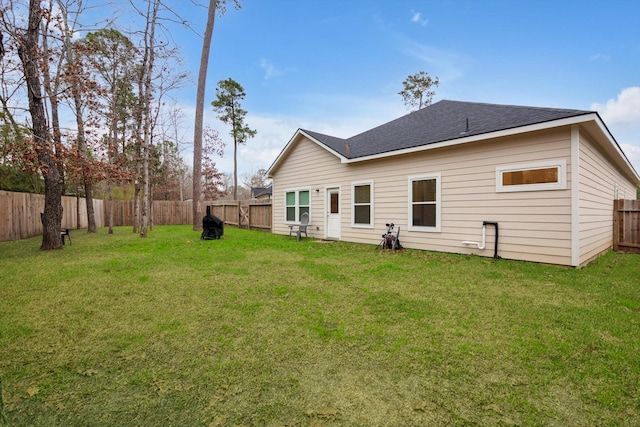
[575, 196]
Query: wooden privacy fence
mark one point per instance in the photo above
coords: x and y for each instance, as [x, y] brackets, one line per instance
[163, 212]
[20, 214]
[252, 214]
[626, 226]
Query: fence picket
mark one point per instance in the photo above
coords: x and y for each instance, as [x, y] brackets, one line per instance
[20, 213]
[626, 226]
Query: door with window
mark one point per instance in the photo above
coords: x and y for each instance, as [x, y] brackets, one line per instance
[333, 213]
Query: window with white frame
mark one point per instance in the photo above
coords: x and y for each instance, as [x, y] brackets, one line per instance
[424, 203]
[548, 175]
[297, 202]
[362, 204]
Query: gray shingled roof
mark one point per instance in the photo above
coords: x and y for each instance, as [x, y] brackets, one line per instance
[442, 121]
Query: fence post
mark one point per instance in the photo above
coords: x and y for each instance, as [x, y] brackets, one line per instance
[249, 215]
[616, 225]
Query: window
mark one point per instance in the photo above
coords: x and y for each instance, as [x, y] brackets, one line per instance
[296, 203]
[532, 177]
[362, 203]
[424, 203]
[334, 207]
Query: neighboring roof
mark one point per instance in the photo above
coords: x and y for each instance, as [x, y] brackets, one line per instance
[452, 122]
[259, 192]
[442, 121]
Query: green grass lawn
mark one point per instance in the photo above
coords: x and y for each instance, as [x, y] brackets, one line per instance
[261, 330]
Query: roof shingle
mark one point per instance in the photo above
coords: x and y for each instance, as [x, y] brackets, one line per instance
[443, 121]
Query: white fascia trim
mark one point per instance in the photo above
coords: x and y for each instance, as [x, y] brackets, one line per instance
[474, 138]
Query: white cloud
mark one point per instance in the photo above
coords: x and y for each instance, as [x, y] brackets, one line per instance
[624, 110]
[633, 153]
[622, 116]
[416, 18]
[600, 57]
[269, 69]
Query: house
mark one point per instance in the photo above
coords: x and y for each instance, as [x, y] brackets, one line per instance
[260, 193]
[455, 171]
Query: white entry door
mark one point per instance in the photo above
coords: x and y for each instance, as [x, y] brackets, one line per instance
[333, 213]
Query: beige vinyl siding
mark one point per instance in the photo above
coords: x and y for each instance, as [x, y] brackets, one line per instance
[598, 181]
[308, 166]
[534, 225]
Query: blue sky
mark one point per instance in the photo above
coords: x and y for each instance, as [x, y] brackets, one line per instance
[336, 66]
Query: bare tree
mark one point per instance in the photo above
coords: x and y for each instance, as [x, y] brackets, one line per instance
[145, 97]
[52, 86]
[255, 178]
[171, 130]
[28, 51]
[213, 180]
[112, 59]
[74, 76]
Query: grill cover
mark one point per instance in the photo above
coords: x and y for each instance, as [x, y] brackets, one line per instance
[212, 226]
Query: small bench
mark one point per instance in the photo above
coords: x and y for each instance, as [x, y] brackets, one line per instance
[65, 232]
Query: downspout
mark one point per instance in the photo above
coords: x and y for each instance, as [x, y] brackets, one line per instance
[482, 245]
[495, 245]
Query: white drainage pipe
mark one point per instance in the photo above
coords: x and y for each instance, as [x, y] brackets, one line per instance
[482, 245]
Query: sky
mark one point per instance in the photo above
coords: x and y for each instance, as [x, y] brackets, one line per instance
[336, 66]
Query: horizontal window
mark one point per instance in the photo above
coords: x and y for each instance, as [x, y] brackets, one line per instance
[551, 175]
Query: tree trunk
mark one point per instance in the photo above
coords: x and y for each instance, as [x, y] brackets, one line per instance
[52, 89]
[197, 133]
[138, 142]
[110, 214]
[235, 168]
[151, 208]
[146, 95]
[235, 154]
[28, 52]
[81, 141]
[136, 207]
[82, 149]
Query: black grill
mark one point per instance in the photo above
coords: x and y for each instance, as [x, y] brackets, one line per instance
[212, 226]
